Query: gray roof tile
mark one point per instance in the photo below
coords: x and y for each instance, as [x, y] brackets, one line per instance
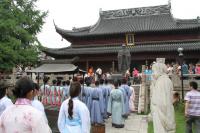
[148, 47]
[135, 20]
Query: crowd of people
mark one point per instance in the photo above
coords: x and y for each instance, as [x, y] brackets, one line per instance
[100, 98]
[84, 102]
[81, 104]
[186, 68]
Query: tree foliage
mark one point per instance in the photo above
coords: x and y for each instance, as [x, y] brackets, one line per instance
[20, 22]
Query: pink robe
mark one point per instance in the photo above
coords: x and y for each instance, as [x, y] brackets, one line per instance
[23, 118]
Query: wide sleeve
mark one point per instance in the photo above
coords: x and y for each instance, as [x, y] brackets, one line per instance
[89, 98]
[38, 105]
[124, 93]
[101, 101]
[129, 91]
[123, 105]
[43, 112]
[109, 108]
[40, 125]
[62, 118]
[85, 119]
[107, 93]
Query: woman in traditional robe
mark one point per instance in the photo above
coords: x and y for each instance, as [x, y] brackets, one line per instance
[36, 103]
[59, 93]
[45, 92]
[107, 89]
[22, 117]
[162, 101]
[105, 96]
[97, 105]
[74, 116]
[127, 94]
[132, 98]
[88, 94]
[53, 93]
[116, 107]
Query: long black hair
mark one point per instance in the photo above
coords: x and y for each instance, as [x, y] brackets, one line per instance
[116, 84]
[74, 91]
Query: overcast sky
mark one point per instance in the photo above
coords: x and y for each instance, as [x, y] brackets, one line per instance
[78, 13]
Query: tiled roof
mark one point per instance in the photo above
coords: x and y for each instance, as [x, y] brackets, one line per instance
[147, 47]
[136, 20]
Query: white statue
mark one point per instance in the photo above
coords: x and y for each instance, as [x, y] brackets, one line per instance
[162, 98]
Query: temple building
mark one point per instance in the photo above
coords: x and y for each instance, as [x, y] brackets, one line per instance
[148, 32]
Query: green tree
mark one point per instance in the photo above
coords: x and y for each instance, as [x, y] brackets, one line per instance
[20, 22]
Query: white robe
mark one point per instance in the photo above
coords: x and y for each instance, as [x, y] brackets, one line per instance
[23, 118]
[81, 118]
[39, 106]
[4, 103]
[162, 107]
[132, 99]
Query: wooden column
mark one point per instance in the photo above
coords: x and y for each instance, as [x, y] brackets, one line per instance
[113, 66]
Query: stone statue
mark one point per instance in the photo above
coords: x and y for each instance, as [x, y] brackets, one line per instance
[162, 100]
[124, 59]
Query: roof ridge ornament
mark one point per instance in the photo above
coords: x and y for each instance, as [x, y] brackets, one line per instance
[142, 11]
[100, 11]
[198, 19]
[169, 3]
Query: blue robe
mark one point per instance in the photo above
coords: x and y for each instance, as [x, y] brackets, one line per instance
[106, 92]
[89, 100]
[116, 107]
[84, 94]
[127, 94]
[97, 105]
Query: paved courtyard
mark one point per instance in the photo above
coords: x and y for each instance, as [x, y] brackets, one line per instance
[134, 124]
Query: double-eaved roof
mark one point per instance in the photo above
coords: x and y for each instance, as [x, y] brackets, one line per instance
[192, 45]
[134, 20]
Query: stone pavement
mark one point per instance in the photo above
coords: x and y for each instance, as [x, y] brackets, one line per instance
[134, 124]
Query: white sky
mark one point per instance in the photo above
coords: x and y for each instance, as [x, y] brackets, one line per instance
[79, 13]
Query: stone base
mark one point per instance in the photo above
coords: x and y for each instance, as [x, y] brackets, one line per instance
[117, 76]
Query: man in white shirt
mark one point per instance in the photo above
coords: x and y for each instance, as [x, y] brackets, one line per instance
[4, 100]
[36, 103]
